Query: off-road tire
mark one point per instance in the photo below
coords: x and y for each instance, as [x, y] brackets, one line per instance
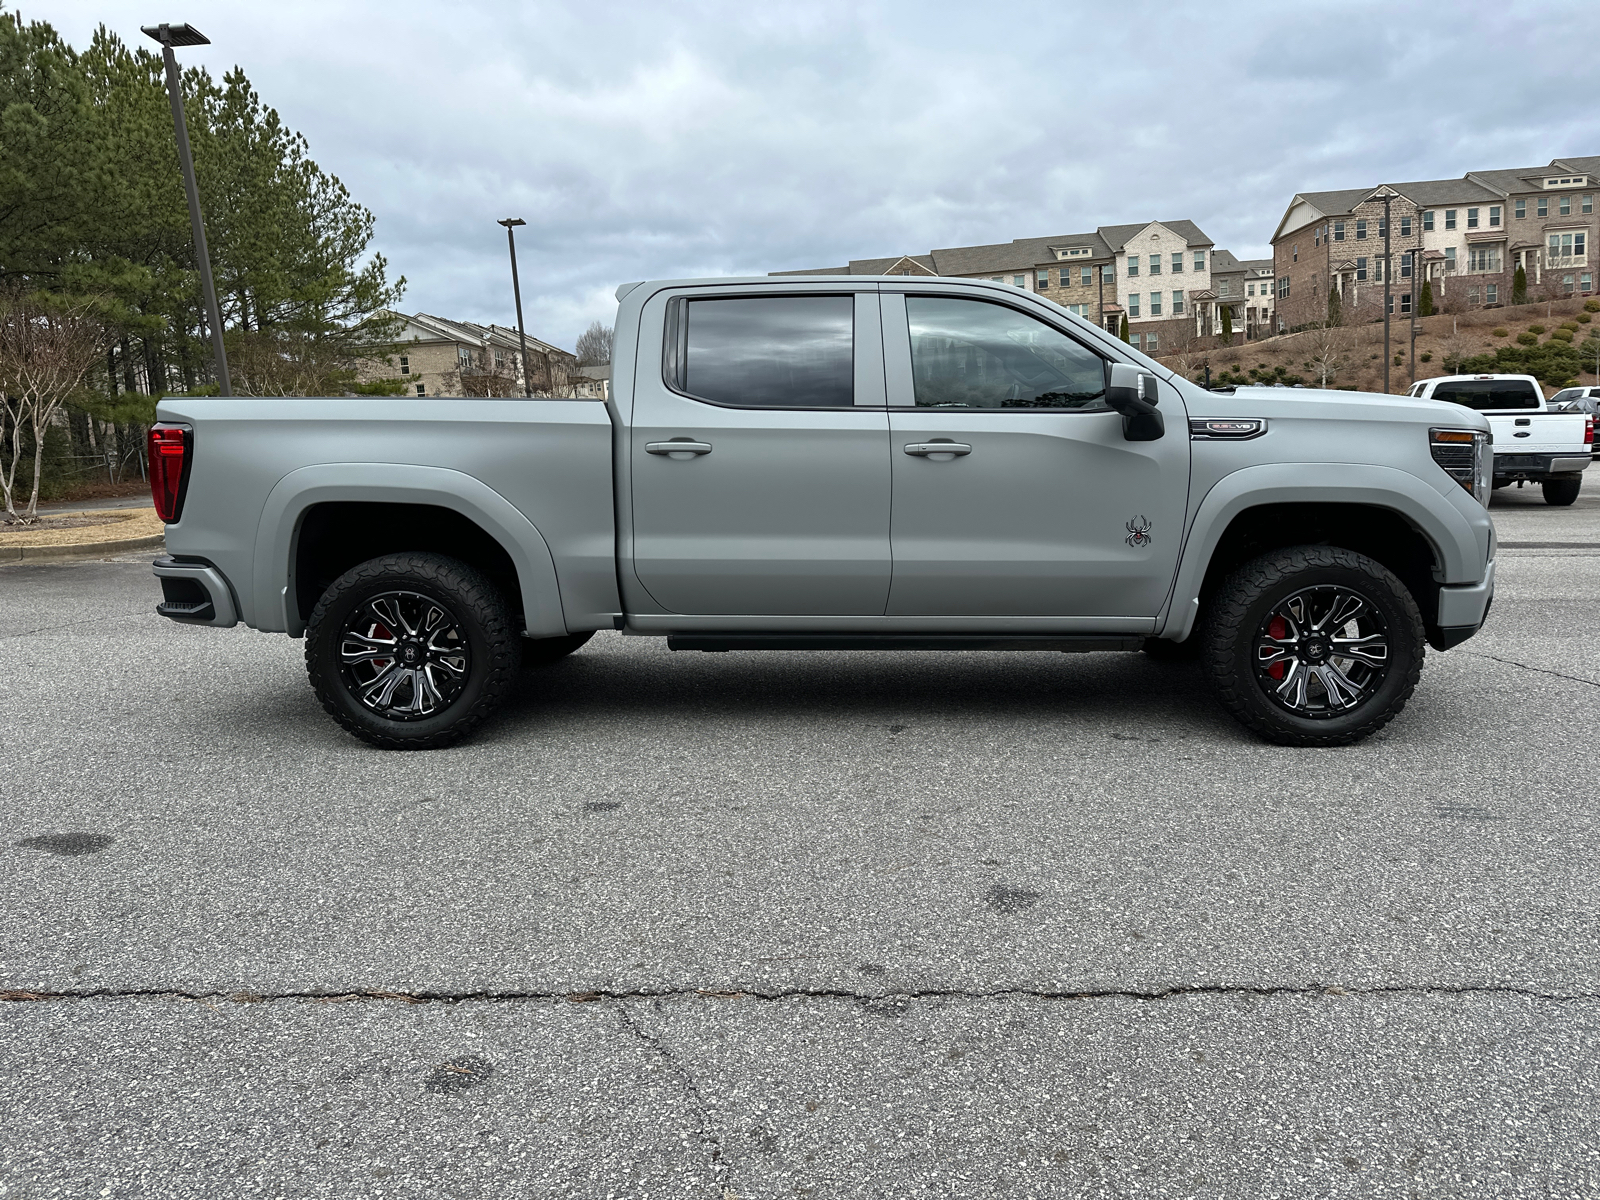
[483, 616]
[1561, 492]
[541, 652]
[1165, 651]
[1243, 603]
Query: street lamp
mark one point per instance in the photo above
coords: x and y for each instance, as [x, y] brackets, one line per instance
[187, 35]
[516, 290]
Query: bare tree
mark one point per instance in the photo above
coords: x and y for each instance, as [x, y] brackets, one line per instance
[47, 347]
[1329, 352]
[594, 345]
[489, 372]
[1456, 348]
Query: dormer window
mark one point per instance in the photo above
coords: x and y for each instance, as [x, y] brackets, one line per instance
[1567, 181]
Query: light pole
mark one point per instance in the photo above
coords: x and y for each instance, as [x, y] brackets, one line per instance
[511, 224]
[187, 35]
[1388, 293]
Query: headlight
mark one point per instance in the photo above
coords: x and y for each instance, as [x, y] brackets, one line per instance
[1467, 456]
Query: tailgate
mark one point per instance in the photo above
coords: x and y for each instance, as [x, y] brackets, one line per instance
[1539, 433]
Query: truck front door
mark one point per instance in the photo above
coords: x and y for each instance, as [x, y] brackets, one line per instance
[1040, 508]
[777, 502]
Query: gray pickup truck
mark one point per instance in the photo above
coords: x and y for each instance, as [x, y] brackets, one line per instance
[838, 463]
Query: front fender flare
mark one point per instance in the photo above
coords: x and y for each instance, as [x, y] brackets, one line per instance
[1454, 541]
[277, 534]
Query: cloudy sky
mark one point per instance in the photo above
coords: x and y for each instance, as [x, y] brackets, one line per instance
[687, 139]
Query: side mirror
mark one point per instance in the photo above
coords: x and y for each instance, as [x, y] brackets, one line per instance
[1133, 393]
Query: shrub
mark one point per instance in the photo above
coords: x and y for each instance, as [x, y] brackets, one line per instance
[1427, 358]
[1562, 335]
[1528, 339]
[1398, 359]
[1519, 287]
[1501, 331]
[1591, 306]
[1535, 328]
[1425, 305]
[1572, 325]
[1583, 318]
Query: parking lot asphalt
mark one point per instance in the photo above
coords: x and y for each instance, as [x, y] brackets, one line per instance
[816, 924]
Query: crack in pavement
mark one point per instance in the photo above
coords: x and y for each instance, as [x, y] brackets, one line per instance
[1511, 662]
[101, 620]
[478, 997]
[721, 1172]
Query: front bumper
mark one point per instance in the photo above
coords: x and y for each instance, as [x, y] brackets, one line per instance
[1462, 611]
[193, 592]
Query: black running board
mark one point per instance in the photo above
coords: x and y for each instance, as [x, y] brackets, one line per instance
[1065, 643]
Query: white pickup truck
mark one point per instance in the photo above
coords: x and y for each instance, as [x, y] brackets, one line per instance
[1532, 442]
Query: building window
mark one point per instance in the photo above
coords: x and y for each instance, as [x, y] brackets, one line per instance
[1150, 343]
[1427, 221]
[1405, 304]
[1155, 304]
[463, 356]
[1155, 264]
[405, 364]
[1086, 276]
[1361, 270]
[1543, 206]
[1044, 280]
[1566, 249]
[1383, 227]
[1521, 210]
[1491, 293]
[1224, 286]
[1177, 304]
[1108, 273]
[1133, 265]
[1361, 231]
[1020, 281]
[1294, 252]
[422, 389]
[1338, 231]
[1283, 288]
[1472, 296]
[1137, 340]
[1405, 266]
[1566, 206]
[1588, 204]
[1566, 284]
[1494, 216]
[1133, 304]
[1177, 262]
[1586, 283]
[1449, 218]
[1249, 289]
[1199, 260]
[1483, 260]
[1405, 226]
[1472, 218]
[1449, 259]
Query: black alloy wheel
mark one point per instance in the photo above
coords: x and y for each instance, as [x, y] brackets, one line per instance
[411, 651]
[1314, 645]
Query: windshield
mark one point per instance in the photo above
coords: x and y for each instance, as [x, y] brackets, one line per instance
[1485, 394]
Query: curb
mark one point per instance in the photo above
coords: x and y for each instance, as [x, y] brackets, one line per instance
[10, 554]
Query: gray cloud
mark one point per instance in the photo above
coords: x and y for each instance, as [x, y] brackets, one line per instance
[648, 140]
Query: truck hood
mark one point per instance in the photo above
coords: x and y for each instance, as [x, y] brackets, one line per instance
[1328, 405]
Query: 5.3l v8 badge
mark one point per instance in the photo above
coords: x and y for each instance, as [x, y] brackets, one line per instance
[1138, 532]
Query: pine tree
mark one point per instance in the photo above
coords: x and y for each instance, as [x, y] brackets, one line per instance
[1124, 330]
[1519, 287]
[1335, 307]
[1425, 305]
[1227, 324]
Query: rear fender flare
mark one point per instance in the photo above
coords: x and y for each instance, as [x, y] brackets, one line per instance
[277, 534]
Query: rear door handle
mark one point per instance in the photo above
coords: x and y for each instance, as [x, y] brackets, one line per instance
[677, 447]
[923, 449]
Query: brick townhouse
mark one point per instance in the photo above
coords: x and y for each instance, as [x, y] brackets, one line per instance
[1156, 273]
[440, 357]
[1245, 287]
[1464, 237]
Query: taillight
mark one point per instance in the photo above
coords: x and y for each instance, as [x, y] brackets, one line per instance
[169, 469]
[1588, 431]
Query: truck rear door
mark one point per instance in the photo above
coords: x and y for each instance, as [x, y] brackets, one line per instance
[759, 453]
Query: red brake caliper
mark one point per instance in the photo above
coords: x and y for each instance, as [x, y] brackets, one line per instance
[380, 631]
[1277, 628]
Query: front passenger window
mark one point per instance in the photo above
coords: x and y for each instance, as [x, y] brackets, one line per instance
[973, 354]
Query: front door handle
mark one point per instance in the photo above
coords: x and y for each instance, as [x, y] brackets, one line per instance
[923, 449]
[679, 447]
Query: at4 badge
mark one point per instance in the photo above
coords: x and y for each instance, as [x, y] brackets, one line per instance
[1138, 532]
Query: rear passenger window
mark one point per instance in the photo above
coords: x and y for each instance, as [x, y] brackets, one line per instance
[767, 351]
[971, 354]
[1490, 393]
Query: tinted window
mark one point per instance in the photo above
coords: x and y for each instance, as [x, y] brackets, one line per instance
[968, 354]
[1490, 393]
[771, 351]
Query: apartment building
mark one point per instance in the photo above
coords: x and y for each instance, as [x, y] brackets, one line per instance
[1464, 237]
[1245, 288]
[440, 357]
[1157, 274]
